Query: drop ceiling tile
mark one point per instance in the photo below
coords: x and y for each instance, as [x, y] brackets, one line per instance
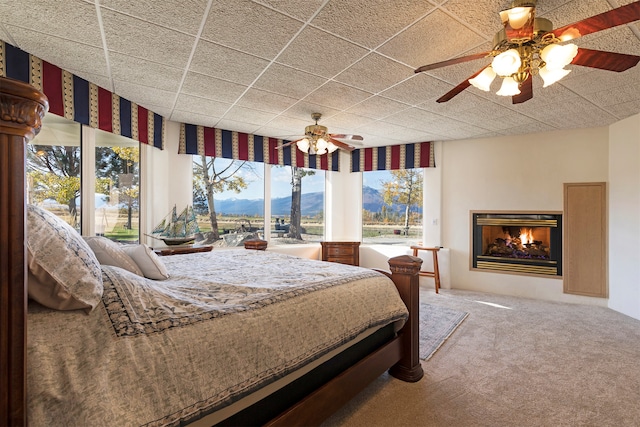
[237, 126]
[56, 51]
[413, 118]
[301, 9]
[194, 118]
[101, 81]
[377, 107]
[429, 41]
[624, 110]
[249, 27]
[304, 109]
[5, 36]
[198, 105]
[417, 89]
[346, 122]
[288, 81]
[133, 37]
[187, 18]
[225, 63]
[71, 19]
[266, 101]
[337, 95]
[274, 132]
[483, 17]
[146, 72]
[374, 73]
[144, 95]
[369, 22]
[250, 116]
[212, 88]
[294, 125]
[320, 53]
[574, 11]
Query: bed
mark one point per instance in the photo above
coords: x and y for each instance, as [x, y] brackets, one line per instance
[239, 337]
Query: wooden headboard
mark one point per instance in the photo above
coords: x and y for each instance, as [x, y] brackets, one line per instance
[21, 110]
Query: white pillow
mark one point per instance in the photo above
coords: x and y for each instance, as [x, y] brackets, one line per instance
[64, 273]
[109, 252]
[150, 264]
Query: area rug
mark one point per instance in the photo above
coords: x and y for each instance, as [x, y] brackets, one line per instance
[437, 323]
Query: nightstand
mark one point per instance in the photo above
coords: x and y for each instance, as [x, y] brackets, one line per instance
[342, 252]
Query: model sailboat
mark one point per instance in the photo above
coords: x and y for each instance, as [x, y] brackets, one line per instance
[177, 229]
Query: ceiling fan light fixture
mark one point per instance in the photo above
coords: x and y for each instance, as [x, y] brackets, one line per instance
[331, 147]
[517, 17]
[303, 144]
[483, 80]
[509, 87]
[558, 56]
[507, 63]
[551, 76]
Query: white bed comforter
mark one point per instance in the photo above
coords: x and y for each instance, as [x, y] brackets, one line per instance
[225, 324]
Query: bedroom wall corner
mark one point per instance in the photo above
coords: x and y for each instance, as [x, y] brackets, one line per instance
[624, 216]
[343, 199]
[166, 180]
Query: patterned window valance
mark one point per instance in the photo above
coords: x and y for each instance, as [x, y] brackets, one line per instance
[195, 139]
[392, 157]
[76, 99]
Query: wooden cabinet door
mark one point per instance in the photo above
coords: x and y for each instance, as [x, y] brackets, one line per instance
[585, 239]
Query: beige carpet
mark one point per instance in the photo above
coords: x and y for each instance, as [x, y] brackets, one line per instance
[515, 362]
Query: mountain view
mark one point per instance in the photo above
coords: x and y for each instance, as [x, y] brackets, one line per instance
[312, 204]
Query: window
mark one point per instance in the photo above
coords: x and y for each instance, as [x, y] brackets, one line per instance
[53, 169]
[392, 206]
[228, 198]
[297, 205]
[117, 187]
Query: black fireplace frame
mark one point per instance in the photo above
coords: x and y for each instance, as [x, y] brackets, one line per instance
[548, 268]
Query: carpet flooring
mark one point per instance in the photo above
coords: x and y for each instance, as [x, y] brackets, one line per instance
[514, 362]
[437, 323]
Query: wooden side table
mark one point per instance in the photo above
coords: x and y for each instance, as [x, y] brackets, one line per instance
[180, 250]
[436, 271]
[342, 252]
[256, 244]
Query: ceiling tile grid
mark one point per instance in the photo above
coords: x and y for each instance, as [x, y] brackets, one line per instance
[264, 66]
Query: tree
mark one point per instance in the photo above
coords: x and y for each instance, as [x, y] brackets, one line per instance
[404, 188]
[212, 175]
[295, 230]
[128, 188]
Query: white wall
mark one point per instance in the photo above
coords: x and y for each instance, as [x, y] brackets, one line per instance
[624, 216]
[514, 173]
[167, 181]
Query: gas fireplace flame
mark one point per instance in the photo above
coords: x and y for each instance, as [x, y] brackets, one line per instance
[526, 235]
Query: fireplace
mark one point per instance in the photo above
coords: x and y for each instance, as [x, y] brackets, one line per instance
[517, 242]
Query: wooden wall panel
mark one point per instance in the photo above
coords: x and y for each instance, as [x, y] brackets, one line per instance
[585, 239]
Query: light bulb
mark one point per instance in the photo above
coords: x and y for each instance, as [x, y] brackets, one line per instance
[557, 56]
[509, 87]
[517, 16]
[483, 80]
[321, 143]
[303, 145]
[551, 76]
[507, 63]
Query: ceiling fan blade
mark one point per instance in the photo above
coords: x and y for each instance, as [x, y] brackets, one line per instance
[612, 18]
[286, 144]
[526, 92]
[341, 144]
[456, 90]
[346, 136]
[452, 62]
[603, 60]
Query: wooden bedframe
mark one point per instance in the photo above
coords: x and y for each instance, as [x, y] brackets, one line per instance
[21, 110]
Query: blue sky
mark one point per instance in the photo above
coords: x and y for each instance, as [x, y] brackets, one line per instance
[281, 179]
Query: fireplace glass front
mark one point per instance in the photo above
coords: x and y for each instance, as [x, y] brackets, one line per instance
[518, 242]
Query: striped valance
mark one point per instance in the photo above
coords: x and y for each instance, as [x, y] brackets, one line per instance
[392, 157]
[195, 139]
[81, 101]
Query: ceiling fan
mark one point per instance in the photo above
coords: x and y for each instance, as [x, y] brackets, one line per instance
[318, 140]
[529, 46]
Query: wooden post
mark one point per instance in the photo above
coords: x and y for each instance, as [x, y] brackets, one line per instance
[21, 110]
[405, 271]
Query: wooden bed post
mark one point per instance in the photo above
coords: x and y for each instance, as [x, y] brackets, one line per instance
[21, 110]
[404, 270]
